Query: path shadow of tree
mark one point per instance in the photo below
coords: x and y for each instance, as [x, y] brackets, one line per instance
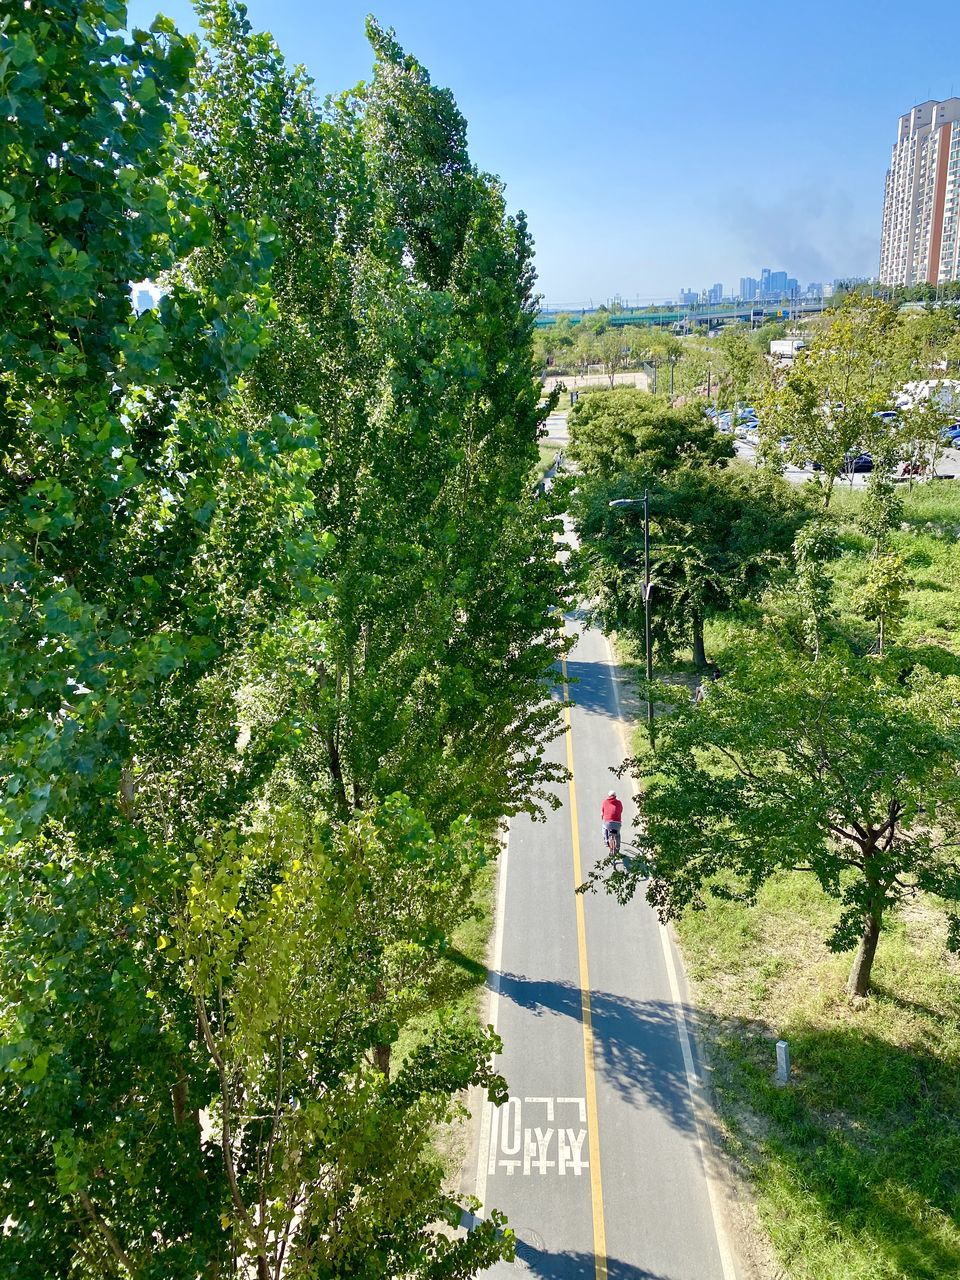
[590, 687]
[636, 1043]
[939, 659]
[870, 1131]
[576, 1265]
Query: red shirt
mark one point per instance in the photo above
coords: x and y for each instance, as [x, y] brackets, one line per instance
[611, 809]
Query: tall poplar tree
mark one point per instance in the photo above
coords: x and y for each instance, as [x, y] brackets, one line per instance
[277, 608]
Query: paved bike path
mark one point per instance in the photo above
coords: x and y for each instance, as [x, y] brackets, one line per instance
[597, 1158]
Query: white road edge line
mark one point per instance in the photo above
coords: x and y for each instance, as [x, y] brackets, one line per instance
[693, 1083]
[493, 1014]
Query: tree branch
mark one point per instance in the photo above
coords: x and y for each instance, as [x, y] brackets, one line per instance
[254, 1232]
[112, 1242]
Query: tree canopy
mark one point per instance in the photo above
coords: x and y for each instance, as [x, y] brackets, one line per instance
[276, 605]
[831, 398]
[611, 431]
[717, 534]
[841, 767]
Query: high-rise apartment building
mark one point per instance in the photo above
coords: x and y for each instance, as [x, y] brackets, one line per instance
[920, 241]
[748, 288]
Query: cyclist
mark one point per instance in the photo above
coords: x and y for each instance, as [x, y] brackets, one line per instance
[611, 812]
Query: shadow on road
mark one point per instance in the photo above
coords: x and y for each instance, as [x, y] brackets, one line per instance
[577, 1266]
[590, 687]
[636, 1044]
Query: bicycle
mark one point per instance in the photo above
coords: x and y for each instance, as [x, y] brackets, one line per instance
[612, 840]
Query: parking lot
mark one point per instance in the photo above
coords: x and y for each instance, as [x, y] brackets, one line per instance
[948, 466]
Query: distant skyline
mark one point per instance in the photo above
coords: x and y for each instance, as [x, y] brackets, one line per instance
[654, 145]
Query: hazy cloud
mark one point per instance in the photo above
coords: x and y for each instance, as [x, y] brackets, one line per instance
[813, 235]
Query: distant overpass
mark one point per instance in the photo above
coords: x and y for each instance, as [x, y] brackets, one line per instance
[696, 317]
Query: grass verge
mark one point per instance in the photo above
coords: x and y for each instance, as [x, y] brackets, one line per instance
[856, 1163]
[460, 991]
[548, 453]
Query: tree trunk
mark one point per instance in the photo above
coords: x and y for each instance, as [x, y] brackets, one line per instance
[699, 653]
[128, 793]
[381, 1056]
[858, 984]
[829, 493]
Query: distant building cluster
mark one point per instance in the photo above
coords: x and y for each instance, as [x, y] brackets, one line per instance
[920, 238]
[142, 300]
[772, 286]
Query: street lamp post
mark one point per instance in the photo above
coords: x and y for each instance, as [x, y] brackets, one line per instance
[647, 644]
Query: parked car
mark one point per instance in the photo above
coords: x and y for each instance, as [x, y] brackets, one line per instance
[857, 462]
[951, 434]
[853, 462]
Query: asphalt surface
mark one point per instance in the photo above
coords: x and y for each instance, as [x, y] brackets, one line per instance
[556, 425]
[948, 466]
[599, 1159]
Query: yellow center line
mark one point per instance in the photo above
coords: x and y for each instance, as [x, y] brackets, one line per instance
[593, 1132]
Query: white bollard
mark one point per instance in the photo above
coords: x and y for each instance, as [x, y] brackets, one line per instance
[783, 1062]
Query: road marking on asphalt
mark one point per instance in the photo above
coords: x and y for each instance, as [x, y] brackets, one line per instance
[515, 1144]
[593, 1131]
[683, 1033]
[487, 1109]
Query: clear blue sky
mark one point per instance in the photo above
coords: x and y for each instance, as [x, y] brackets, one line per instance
[654, 144]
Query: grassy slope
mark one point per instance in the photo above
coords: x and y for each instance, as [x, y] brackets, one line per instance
[548, 453]
[856, 1165]
[461, 997]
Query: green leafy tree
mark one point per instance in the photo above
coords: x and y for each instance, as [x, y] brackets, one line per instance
[136, 515]
[661, 349]
[836, 767]
[429, 418]
[743, 371]
[625, 428]
[880, 512]
[694, 373]
[597, 322]
[830, 398]
[881, 596]
[613, 352]
[347, 948]
[767, 333]
[115, 458]
[584, 352]
[274, 588]
[813, 548]
[926, 339]
[717, 536]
